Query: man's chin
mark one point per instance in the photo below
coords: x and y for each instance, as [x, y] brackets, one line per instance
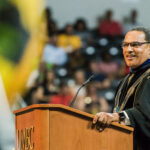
[131, 65]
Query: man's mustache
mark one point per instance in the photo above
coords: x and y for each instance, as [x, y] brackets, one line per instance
[131, 53]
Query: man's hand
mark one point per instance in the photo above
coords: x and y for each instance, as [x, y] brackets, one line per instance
[105, 119]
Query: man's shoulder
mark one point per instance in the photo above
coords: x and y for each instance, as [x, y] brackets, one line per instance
[144, 82]
[146, 79]
[146, 75]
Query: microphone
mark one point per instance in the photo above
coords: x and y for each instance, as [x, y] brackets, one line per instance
[84, 84]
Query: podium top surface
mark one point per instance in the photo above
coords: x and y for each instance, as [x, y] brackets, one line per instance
[63, 107]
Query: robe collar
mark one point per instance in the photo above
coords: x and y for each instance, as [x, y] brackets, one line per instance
[142, 66]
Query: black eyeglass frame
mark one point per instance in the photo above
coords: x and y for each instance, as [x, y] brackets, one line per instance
[133, 44]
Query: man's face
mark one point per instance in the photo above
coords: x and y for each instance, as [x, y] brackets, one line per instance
[135, 55]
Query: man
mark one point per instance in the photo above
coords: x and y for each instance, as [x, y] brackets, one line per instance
[132, 101]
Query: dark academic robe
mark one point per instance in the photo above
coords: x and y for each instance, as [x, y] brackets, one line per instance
[138, 105]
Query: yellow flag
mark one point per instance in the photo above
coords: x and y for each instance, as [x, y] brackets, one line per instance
[32, 18]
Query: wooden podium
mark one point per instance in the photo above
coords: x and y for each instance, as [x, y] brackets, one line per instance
[58, 127]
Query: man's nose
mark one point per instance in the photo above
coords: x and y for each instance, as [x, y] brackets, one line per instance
[129, 48]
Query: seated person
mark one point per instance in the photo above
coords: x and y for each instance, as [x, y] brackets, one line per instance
[82, 31]
[108, 26]
[53, 54]
[44, 87]
[69, 41]
[94, 102]
[63, 97]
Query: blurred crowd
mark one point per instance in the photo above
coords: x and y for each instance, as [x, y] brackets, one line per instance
[74, 53]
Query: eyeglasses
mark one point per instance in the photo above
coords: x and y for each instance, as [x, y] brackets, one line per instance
[133, 44]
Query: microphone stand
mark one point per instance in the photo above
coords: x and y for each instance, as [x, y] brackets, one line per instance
[85, 83]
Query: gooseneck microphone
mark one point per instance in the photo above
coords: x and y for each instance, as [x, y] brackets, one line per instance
[85, 83]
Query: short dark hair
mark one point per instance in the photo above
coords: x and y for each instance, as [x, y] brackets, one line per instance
[144, 30]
